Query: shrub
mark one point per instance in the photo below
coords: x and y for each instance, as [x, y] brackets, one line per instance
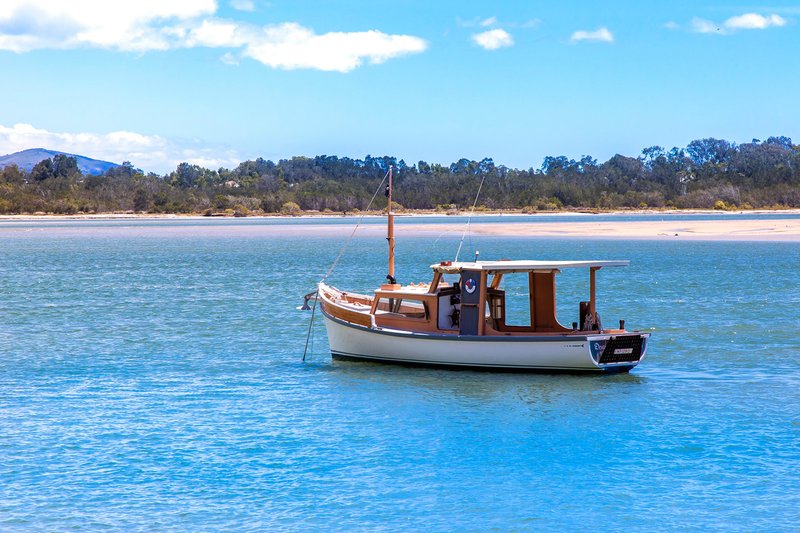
[270, 204]
[65, 207]
[290, 208]
[240, 211]
[221, 202]
[548, 204]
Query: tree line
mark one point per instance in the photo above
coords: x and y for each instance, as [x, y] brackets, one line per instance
[708, 174]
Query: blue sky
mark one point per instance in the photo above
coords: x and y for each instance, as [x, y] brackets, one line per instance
[217, 82]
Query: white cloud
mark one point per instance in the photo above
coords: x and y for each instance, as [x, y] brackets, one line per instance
[491, 21]
[291, 46]
[34, 24]
[748, 21]
[214, 33]
[149, 152]
[243, 5]
[600, 35]
[672, 25]
[754, 21]
[493, 39]
[162, 25]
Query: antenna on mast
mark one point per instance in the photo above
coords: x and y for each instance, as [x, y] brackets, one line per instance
[469, 219]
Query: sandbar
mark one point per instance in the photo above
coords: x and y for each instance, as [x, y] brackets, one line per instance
[779, 226]
[713, 230]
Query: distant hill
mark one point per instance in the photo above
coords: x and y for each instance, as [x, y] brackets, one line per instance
[26, 160]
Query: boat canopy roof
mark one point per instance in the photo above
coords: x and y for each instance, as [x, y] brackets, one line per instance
[521, 265]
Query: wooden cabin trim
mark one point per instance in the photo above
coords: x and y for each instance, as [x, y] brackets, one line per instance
[544, 317]
[525, 331]
[498, 277]
[532, 299]
[593, 290]
[437, 277]
[482, 303]
[411, 324]
[492, 336]
[398, 321]
[330, 308]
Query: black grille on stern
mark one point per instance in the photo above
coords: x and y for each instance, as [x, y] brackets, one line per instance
[624, 349]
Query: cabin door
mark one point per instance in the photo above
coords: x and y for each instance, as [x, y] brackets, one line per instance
[470, 298]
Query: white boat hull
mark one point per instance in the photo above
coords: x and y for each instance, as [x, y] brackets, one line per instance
[573, 353]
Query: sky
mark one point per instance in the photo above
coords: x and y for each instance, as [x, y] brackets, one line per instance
[217, 82]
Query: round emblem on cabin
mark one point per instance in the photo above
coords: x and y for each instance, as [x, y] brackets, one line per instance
[470, 285]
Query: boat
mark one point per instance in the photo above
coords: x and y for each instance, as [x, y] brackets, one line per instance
[458, 319]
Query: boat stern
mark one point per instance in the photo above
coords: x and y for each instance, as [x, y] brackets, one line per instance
[618, 352]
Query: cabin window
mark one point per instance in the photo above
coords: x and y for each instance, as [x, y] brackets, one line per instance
[403, 307]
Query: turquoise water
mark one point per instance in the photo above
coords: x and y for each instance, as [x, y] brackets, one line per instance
[151, 378]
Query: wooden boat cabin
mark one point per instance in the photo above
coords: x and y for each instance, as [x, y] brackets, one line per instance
[474, 304]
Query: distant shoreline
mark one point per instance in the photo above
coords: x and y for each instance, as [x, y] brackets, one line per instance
[404, 213]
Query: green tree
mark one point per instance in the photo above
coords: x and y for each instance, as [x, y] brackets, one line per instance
[65, 166]
[12, 174]
[42, 170]
[142, 201]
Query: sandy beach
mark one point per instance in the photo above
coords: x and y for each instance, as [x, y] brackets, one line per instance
[780, 226]
[717, 230]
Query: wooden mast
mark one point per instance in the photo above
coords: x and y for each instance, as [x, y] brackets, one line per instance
[390, 230]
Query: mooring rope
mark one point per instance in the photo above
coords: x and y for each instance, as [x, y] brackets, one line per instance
[469, 218]
[336, 261]
[310, 323]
